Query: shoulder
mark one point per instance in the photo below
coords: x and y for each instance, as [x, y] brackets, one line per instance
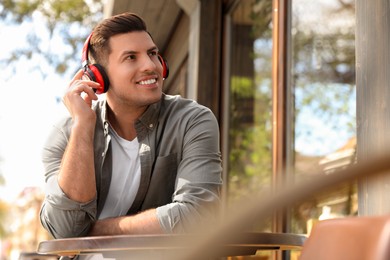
[179, 103]
[177, 109]
[64, 125]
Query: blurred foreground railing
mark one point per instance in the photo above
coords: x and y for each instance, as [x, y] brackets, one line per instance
[211, 243]
[263, 205]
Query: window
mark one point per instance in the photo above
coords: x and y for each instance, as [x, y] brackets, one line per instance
[323, 82]
[250, 90]
[320, 68]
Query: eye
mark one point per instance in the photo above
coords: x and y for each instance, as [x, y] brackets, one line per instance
[153, 53]
[131, 57]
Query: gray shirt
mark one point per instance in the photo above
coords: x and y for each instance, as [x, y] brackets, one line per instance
[180, 168]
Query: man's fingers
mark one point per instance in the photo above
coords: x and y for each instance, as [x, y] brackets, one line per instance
[77, 76]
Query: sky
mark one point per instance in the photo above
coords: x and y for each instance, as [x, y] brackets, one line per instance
[29, 105]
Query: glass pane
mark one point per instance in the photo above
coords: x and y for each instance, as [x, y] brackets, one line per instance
[249, 165]
[323, 78]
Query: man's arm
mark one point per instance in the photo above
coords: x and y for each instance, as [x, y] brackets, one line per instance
[196, 198]
[142, 223]
[77, 173]
[62, 213]
[69, 208]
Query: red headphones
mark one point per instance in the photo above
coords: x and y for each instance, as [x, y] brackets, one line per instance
[95, 72]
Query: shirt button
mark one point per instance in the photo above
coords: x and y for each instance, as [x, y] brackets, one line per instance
[151, 125]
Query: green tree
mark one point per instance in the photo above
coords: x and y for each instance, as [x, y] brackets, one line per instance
[250, 132]
[323, 64]
[66, 21]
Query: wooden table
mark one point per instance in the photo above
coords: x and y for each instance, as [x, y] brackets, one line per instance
[122, 246]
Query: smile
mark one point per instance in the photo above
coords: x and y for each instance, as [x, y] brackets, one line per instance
[147, 82]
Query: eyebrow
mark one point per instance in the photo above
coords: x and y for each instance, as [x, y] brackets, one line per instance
[154, 48]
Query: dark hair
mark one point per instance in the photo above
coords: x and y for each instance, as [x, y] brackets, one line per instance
[118, 24]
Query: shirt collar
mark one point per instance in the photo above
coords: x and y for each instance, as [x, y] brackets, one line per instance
[148, 119]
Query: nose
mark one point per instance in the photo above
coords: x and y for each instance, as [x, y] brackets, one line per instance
[148, 63]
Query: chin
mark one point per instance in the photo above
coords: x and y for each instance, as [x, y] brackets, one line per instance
[151, 99]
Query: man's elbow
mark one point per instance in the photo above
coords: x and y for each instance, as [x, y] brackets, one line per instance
[64, 227]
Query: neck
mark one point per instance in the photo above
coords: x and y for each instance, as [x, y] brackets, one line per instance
[123, 122]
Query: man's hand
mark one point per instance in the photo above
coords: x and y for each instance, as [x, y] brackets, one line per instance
[79, 96]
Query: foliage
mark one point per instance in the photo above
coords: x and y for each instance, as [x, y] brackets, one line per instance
[4, 208]
[68, 21]
[66, 24]
[323, 80]
[250, 138]
[323, 64]
[250, 132]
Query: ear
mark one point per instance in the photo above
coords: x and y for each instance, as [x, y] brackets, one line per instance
[164, 65]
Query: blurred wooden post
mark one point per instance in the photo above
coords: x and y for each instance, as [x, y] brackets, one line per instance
[373, 98]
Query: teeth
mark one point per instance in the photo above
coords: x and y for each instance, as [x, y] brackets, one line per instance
[147, 82]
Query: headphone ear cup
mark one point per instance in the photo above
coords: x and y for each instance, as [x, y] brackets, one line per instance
[165, 66]
[95, 72]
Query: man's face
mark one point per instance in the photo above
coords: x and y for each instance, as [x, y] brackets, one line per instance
[134, 70]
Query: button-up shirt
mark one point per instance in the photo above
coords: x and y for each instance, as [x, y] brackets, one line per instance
[180, 168]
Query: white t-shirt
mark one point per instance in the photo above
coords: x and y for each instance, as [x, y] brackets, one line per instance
[126, 175]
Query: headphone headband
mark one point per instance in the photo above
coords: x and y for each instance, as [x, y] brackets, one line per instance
[94, 72]
[84, 55]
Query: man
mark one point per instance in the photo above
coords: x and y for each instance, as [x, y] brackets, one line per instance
[136, 160]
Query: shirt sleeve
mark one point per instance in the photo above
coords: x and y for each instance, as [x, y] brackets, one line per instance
[59, 215]
[199, 178]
